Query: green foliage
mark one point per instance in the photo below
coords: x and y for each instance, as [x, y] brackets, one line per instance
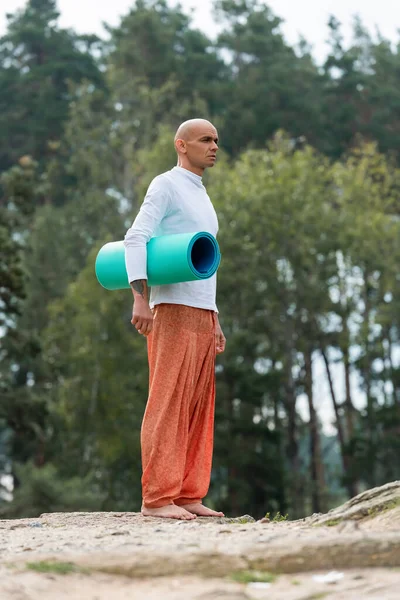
[253, 576]
[36, 61]
[372, 512]
[158, 59]
[376, 444]
[271, 87]
[58, 568]
[21, 189]
[19, 186]
[239, 520]
[44, 490]
[275, 216]
[278, 518]
[331, 523]
[90, 340]
[12, 289]
[310, 247]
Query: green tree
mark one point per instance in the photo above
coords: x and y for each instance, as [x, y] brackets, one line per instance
[158, 62]
[367, 284]
[271, 87]
[98, 388]
[55, 242]
[44, 491]
[21, 188]
[310, 252]
[360, 94]
[342, 98]
[275, 213]
[15, 206]
[37, 60]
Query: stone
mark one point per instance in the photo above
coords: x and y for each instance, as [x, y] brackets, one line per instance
[361, 536]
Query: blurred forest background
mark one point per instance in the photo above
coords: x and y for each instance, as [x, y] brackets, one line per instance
[307, 189]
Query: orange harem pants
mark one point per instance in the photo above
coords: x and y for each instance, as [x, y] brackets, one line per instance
[178, 426]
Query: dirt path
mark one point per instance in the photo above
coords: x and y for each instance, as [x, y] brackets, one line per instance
[115, 556]
[379, 584]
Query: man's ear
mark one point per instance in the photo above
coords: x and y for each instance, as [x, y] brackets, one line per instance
[181, 146]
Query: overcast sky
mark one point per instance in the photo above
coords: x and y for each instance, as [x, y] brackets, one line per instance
[308, 17]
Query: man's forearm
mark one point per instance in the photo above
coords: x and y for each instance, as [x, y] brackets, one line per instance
[142, 316]
[140, 289]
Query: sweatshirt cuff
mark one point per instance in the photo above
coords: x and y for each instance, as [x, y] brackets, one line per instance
[136, 277]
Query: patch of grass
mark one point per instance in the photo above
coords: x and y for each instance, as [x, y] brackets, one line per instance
[277, 518]
[243, 520]
[295, 582]
[330, 523]
[317, 596]
[59, 568]
[253, 576]
[376, 510]
[240, 520]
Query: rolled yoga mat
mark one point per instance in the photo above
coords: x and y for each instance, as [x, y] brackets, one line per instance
[170, 259]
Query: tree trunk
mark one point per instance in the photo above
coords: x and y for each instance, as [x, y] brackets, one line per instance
[391, 367]
[346, 459]
[295, 486]
[367, 364]
[349, 408]
[232, 467]
[316, 463]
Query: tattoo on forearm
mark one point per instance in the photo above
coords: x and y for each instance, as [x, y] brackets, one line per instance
[138, 286]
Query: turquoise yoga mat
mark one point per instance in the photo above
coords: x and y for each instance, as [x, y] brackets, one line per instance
[170, 259]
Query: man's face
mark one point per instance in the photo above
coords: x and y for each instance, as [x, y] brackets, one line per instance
[202, 146]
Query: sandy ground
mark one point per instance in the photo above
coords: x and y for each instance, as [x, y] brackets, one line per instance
[118, 556]
[375, 584]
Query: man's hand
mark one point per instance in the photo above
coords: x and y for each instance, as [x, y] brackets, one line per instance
[142, 317]
[220, 339]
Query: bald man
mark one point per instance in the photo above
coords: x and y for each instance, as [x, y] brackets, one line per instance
[180, 322]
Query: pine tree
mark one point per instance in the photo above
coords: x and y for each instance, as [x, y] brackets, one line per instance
[37, 62]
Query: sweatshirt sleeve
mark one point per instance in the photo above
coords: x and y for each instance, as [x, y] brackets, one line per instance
[154, 208]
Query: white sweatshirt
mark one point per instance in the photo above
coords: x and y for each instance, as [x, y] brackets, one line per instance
[176, 202]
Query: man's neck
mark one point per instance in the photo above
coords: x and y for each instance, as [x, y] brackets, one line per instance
[196, 170]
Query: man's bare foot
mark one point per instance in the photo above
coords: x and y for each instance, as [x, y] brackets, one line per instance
[169, 512]
[202, 511]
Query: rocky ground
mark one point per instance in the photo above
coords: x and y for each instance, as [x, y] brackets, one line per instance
[352, 552]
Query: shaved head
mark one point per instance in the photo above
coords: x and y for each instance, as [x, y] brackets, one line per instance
[188, 129]
[196, 144]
